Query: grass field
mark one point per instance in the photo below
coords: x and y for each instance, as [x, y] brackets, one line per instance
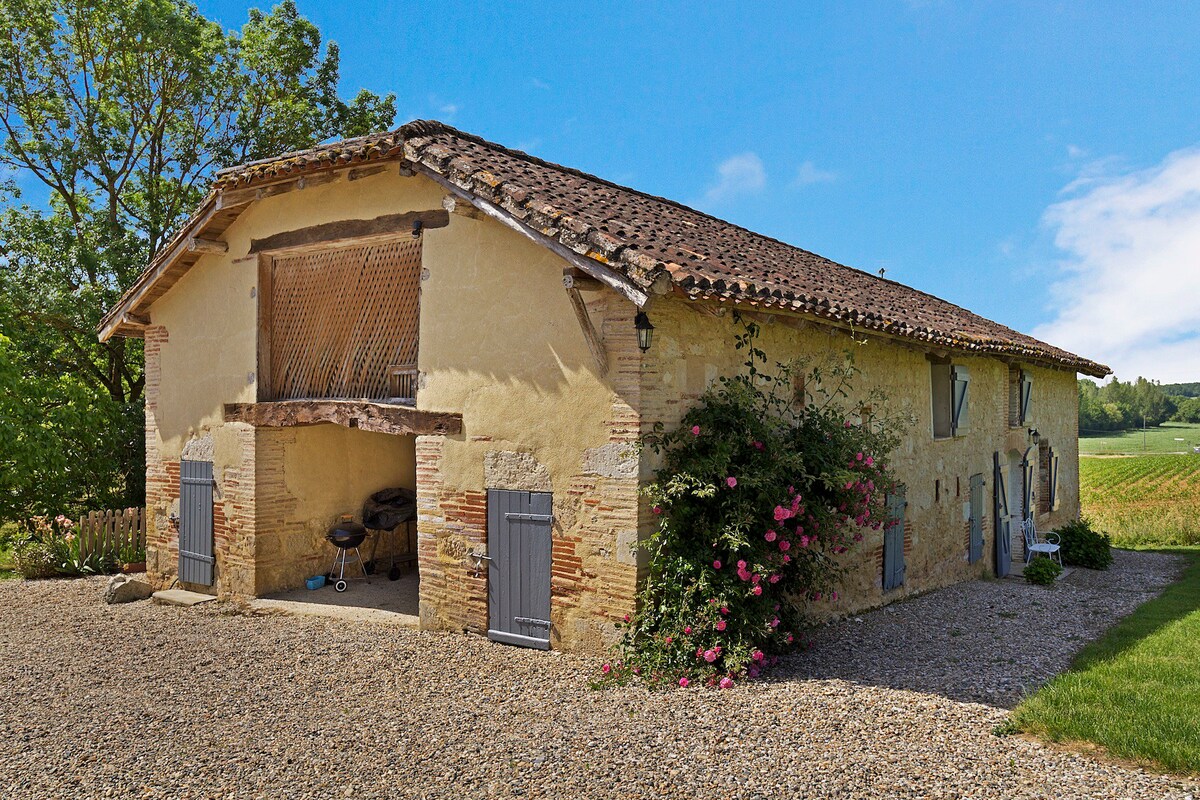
[1143, 501]
[1133, 692]
[1172, 437]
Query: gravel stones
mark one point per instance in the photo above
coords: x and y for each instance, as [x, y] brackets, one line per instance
[147, 701]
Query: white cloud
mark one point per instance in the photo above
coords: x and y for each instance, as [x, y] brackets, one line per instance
[449, 109]
[1128, 290]
[809, 173]
[737, 175]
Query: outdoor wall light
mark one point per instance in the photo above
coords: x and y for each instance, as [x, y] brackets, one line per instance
[1034, 435]
[645, 331]
[416, 229]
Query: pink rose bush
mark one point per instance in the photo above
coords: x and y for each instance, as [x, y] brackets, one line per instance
[807, 487]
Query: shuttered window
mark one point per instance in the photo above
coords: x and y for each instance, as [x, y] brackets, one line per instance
[1026, 397]
[960, 390]
[893, 543]
[1052, 483]
[950, 388]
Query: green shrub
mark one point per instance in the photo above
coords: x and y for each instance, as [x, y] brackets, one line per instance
[757, 499]
[36, 559]
[1042, 571]
[1083, 546]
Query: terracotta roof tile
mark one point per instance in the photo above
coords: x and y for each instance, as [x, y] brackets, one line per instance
[645, 236]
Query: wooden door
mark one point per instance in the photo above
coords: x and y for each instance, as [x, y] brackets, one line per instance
[519, 546]
[1001, 515]
[196, 522]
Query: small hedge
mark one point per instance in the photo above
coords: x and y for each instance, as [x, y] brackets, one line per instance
[1042, 571]
[1083, 546]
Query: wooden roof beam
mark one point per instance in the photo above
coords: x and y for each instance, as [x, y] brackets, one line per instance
[330, 234]
[361, 414]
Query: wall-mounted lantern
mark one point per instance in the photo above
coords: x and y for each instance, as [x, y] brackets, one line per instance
[1034, 435]
[645, 331]
[416, 230]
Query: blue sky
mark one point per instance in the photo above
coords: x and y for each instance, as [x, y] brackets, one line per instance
[945, 142]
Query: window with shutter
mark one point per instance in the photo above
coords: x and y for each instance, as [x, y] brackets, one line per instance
[1053, 482]
[941, 391]
[961, 383]
[1026, 397]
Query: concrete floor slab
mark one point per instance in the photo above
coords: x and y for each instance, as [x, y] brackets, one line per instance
[181, 597]
[381, 600]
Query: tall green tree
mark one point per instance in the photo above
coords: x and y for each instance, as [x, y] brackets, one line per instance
[121, 110]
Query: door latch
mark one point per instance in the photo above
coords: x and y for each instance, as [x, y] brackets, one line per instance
[479, 559]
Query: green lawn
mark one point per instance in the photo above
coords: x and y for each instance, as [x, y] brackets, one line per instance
[1135, 692]
[1172, 437]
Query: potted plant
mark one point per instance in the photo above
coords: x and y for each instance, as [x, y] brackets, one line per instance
[132, 558]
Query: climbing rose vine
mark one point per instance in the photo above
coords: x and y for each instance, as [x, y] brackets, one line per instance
[758, 495]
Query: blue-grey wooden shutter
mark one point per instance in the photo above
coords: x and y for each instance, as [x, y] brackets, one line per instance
[960, 381]
[1028, 475]
[975, 550]
[893, 543]
[196, 522]
[1000, 513]
[519, 545]
[1052, 483]
[1026, 396]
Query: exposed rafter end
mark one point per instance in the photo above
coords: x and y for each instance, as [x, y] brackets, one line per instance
[199, 245]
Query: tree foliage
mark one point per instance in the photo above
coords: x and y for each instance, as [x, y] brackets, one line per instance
[1119, 406]
[120, 111]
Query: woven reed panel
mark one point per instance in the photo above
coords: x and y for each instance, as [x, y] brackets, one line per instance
[341, 318]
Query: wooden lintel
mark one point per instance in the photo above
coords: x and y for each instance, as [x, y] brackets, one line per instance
[199, 245]
[594, 342]
[332, 233]
[456, 205]
[358, 173]
[575, 278]
[137, 319]
[361, 414]
[606, 275]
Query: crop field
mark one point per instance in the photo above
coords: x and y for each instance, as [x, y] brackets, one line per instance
[1171, 437]
[1143, 501]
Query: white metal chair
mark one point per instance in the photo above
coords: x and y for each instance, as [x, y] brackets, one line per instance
[1034, 543]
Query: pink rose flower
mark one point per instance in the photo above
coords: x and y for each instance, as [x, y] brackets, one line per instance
[695, 430]
[687, 629]
[710, 656]
[757, 590]
[789, 638]
[755, 578]
[870, 461]
[858, 457]
[668, 640]
[784, 544]
[726, 683]
[741, 564]
[787, 559]
[774, 578]
[720, 624]
[834, 596]
[775, 622]
[724, 610]
[759, 446]
[743, 574]
[846, 424]
[731, 481]
[770, 536]
[717, 564]
[657, 509]
[607, 668]
[758, 655]
[683, 682]
[627, 618]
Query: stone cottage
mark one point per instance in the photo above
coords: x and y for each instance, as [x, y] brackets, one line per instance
[426, 309]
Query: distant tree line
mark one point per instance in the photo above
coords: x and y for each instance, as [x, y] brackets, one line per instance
[1121, 405]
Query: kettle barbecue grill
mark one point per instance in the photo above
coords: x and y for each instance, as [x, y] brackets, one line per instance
[346, 536]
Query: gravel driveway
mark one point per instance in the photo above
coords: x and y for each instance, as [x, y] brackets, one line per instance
[148, 701]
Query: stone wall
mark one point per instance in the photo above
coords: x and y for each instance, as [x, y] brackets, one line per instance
[694, 344]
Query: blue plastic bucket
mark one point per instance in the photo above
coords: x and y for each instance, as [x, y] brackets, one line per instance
[315, 582]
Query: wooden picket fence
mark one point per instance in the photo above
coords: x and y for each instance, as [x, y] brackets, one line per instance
[112, 531]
